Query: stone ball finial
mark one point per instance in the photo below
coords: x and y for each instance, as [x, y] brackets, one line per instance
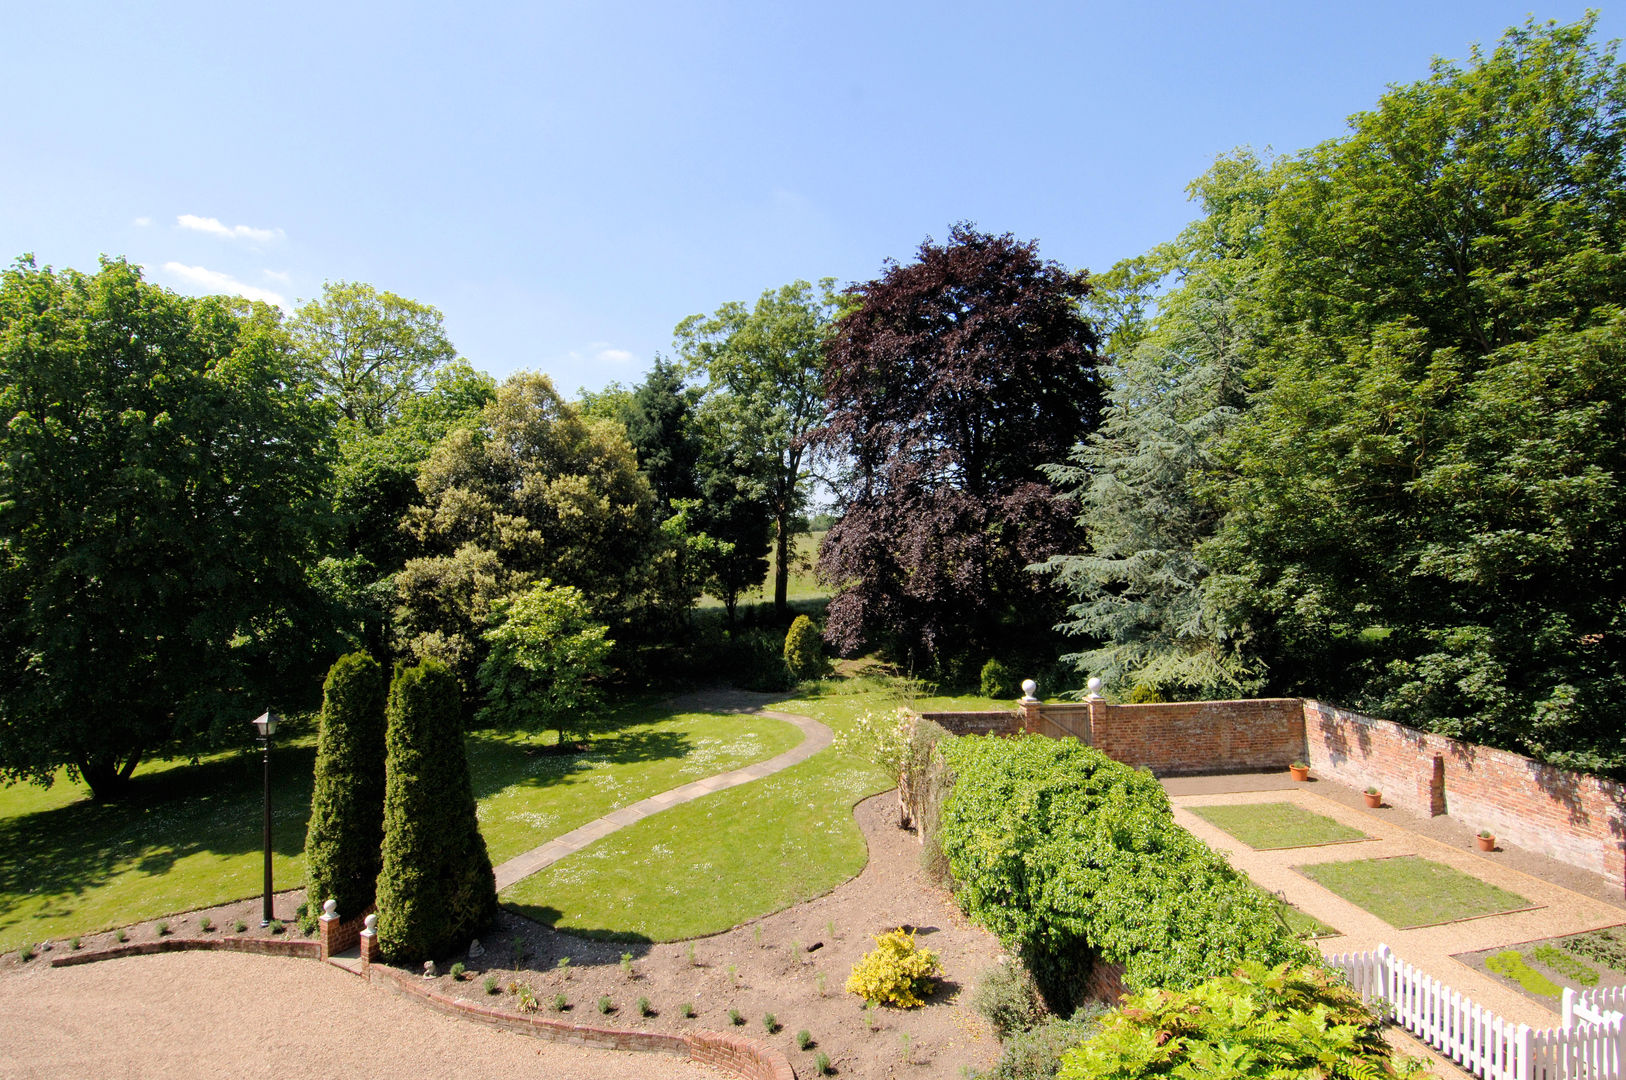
[369, 925]
[1029, 688]
[330, 908]
[1094, 685]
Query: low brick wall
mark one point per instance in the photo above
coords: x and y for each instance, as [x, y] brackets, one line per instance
[1573, 817]
[1187, 737]
[1000, 722]
[264, 946]
[335, 935]
[740, 1055]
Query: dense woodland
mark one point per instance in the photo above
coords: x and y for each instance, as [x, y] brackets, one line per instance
[1355, 433]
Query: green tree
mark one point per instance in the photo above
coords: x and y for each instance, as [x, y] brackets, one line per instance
[1425, 515]
[804, 650]
[163, 492]
[369, 351]
[546, 655]
[346, 831]
[1179, 347]
[436, 888]
[764, 366]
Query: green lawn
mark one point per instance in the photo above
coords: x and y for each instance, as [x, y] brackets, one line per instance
[1263, 826]
[1408, 891]
[705, 866]
[1301, 923]
[189, 836]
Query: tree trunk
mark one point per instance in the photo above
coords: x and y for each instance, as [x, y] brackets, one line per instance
[781, 572]
[108, 777]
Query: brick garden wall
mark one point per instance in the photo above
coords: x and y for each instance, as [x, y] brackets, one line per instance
[1200, 736]
[1000, 722]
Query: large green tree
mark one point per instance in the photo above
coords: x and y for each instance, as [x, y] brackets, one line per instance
[163, 490]
[1426, 515]
[764, 365]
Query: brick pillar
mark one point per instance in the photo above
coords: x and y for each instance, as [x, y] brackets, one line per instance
[1029, 704]
[369, 941]
[327, 929]
[1435, 792]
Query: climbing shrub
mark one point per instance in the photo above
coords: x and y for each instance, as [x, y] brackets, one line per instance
[804, 650]
[997, 681]
[1284, 1021]
[436, 889]
[346, 831]
[896, 972]
[1070, 857]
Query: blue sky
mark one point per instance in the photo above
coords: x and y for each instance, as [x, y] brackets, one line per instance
[567, 181]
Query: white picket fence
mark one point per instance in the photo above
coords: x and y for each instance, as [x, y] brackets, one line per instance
[1591, 1042]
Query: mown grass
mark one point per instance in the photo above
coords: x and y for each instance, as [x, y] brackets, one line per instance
[1301, 923]
[711, 864]
[1407, 891]
[190, 834]
[1266, 826]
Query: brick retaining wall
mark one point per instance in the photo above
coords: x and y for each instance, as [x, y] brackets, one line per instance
[265, 946]
[1000, 722]
[1186, 737]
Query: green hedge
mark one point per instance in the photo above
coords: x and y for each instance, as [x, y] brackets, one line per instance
[1070, 856]
[436, 889]
[342, 843]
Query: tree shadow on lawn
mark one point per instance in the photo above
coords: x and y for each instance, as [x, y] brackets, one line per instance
[503, 759]
[214, 806]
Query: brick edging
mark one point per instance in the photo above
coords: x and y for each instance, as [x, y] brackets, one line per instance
[738, 1054]
[262, 946]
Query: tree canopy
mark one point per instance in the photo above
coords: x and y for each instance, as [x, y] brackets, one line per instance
[163, 489]
[950, 380]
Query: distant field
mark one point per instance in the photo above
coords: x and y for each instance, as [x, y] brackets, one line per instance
[802, 585]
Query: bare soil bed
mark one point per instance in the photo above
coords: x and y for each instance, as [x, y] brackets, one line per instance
[792, 964]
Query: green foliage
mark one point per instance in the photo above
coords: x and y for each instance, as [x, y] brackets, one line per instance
[821, 1064]
[343, 842]
[1565, 965]
[163, 479]
[491, 985]
[546, 654]
[804, 651]
[1145, 694]
[1035, 1054]
[804, 1039]
[1259, 1022]
[896, 972]
[1008, 998]
[1607, 947]
[605, 1006]
[756, 661]
[997, 681]
[1509, 964]
[436, 888]
[1068, 856]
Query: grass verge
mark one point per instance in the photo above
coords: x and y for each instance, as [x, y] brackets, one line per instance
[1265, 826]
[1407, 891]
[1301, 923]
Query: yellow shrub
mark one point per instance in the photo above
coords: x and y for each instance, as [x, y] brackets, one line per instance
[896, 972]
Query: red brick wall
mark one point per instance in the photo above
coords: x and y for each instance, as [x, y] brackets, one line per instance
[1572, 817]
[267, 946]
[1200, 736]
[1000, 722]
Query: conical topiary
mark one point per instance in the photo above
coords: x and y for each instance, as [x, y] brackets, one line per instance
[436, 889]
[347, 803]
[804, 650]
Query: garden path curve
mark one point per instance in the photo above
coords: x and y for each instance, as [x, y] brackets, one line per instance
[816, 737]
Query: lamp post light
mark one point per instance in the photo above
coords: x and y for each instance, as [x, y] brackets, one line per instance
[265, 725]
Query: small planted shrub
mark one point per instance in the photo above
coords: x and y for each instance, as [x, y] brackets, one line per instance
[239, 926]
[1008, 999]
[457, 971]
[26, 953]
[906, 1042]
[735, 1018]
[491, 985]
[1035, 1054]
[996, 681]
[804, 651]
[756, 933]
[563, 966]
[688, 948]
[604, 1006]
[162, 929]
[770, 1023]
[524, 998]
[645, 1008]
[733, 975]
[821, 1064]
[74, 944]
[686, 1010]
[804, 1039]
[869, 1015]
[560, 1002]
[896, 972]
[1146, 694]
[818, 980]
[123, 935]
[204, 924]
[626, 965]
[277, 927]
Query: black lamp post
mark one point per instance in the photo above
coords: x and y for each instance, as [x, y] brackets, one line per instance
[266, 726]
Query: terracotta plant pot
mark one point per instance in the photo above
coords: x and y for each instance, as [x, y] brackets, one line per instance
[1373, 801]
[1298, 773]
[1486, 843]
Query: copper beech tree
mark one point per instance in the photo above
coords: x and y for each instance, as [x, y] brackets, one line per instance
[948, 382]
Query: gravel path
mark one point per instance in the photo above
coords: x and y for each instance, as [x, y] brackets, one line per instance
[236, 1015]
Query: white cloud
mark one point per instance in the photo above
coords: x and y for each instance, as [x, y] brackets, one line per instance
[214, 227]
[214, 281]
[142, 222]
[277, 275]
[603, 354]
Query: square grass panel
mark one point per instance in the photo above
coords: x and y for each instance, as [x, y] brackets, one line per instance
[1408, 892]
[1301, 924]
[1263, 826]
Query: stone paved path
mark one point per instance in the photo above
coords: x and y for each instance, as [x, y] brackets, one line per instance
[815, 738]
[1563, 908]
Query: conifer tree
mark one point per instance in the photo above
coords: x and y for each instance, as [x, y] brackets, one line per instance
[342, 846]
[436, 888]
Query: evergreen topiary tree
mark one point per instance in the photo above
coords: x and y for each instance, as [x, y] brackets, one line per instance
[804, 650]
[997, 681]
[342, 846]
[436, 888]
